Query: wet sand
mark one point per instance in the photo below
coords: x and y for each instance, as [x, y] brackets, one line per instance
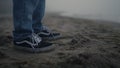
[84, 44]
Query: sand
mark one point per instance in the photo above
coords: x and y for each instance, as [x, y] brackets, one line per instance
[84, 44]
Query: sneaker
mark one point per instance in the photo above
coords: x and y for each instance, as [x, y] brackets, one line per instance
[48, 34]
[33, 44]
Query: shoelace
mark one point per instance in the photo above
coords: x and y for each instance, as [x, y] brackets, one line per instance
[35, 40]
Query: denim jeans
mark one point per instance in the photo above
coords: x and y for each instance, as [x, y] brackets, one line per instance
[27, 16]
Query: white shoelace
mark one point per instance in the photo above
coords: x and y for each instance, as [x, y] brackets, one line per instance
[35, 40]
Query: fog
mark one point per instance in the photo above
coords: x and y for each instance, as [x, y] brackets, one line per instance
[91, 9]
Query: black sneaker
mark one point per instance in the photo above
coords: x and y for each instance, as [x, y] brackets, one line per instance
[48, 34]
[33, 44]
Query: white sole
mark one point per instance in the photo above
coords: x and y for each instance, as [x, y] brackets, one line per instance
[37, 50]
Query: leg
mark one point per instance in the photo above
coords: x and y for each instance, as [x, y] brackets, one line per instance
[37, 22]
[38, 15]
[22, 15]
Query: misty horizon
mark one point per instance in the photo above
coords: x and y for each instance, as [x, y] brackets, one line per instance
[90, 9]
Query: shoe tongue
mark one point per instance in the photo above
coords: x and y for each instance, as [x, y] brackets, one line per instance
[45, 29]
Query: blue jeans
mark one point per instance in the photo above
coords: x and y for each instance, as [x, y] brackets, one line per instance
[27, 16]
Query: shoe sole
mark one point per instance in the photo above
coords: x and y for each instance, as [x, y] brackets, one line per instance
[37, 50]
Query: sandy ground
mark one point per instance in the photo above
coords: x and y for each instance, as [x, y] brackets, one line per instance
[84, 44]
